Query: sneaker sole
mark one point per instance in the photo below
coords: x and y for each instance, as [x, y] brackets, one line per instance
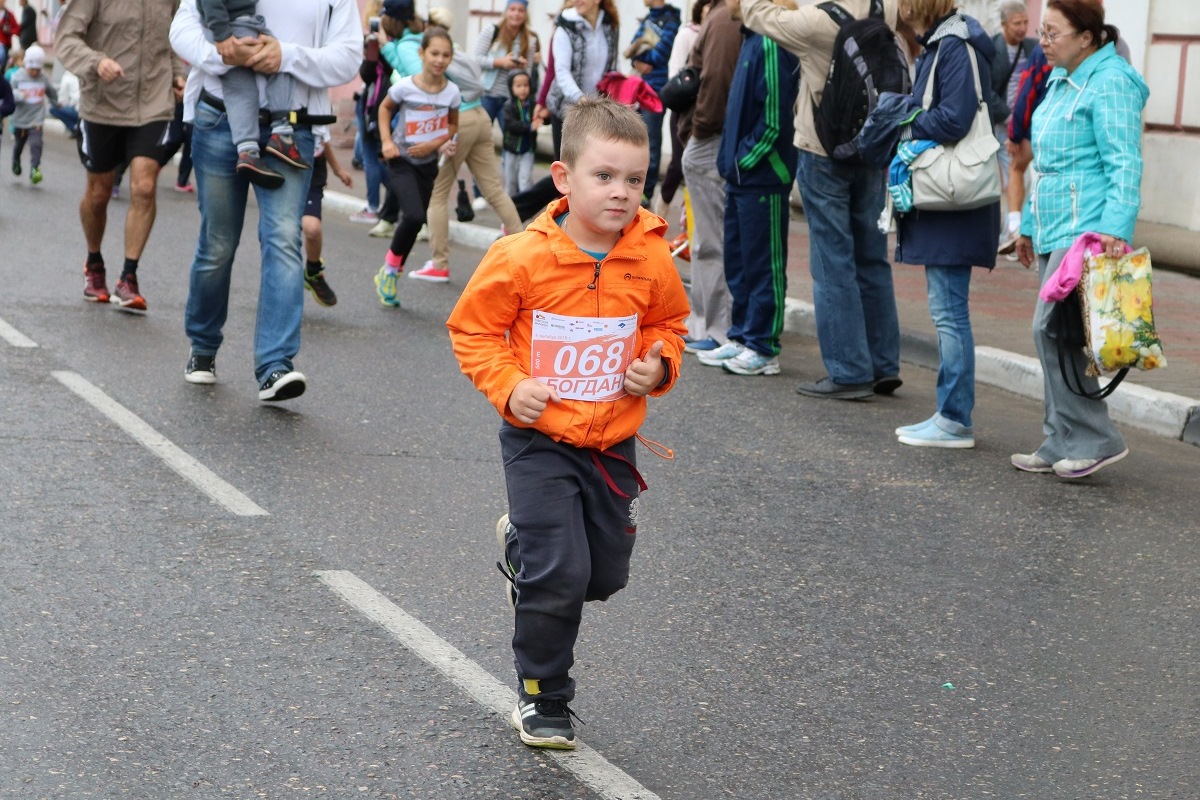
[261, 179]
[416, 276]
[701, 358]
[92, 299]
[136, 305]
[1099, 465]
[1038, 470]
[771, 369]
[857, 394]
[544, 742]
[291, 162]
[944, 444]
[288, 387]
[200, 378]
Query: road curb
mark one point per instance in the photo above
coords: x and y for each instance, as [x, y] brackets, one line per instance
[1162, 413]
[468, 234]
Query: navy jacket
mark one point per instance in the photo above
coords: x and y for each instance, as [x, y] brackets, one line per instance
[951, 238]
[657, 29]
[7, 104]
[757, 153]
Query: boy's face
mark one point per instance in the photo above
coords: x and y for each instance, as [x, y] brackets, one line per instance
[521, 87]
[605, 185]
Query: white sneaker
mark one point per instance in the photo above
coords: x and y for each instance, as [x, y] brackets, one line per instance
[423, 234]
[715, 358]
[382, 230]
[751, 362]
[366, 217]
[479, 204]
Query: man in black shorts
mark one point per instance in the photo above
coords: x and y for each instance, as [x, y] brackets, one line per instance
[129, 84]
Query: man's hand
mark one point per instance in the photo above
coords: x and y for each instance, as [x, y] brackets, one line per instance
[644, 375]
[109, 70]
[241, 50]
[529, 399]
[269, 57]
[1025, 251]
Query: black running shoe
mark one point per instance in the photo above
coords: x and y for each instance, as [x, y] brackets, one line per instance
[201, 369]
[544, 723]
[319, 287]
[281, 385]
[255, 168]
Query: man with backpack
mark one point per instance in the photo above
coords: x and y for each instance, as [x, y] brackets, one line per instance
[857, 324]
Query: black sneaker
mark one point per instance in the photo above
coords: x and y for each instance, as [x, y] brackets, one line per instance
[503, 526]
[281, 385]
[320, 289]
[544, 723]
[201, 369]
[255, 168]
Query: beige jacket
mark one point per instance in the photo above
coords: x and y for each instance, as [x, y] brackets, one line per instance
[134, 33]
[809, 33]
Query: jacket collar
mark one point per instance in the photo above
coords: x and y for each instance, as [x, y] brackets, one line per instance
[631, 245]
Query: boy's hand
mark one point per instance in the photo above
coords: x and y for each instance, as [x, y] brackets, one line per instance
[644, 375]
[528, 400]
[226, 48]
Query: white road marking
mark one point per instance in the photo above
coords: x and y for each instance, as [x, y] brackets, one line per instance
[14, 337]
[191, 469]
[591, 768]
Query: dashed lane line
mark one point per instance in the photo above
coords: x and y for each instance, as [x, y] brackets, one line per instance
[189, 468]
[588, 766]
[14, 337]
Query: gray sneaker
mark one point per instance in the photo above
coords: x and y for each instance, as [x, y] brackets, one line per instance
[826, 388]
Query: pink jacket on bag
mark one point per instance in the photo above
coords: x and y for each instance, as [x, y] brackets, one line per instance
[1070, 270]
[630, 90]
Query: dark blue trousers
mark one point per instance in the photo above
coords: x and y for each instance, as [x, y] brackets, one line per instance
[756, 229]
[572, 537]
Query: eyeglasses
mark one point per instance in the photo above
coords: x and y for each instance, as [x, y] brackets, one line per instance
[1052, 36]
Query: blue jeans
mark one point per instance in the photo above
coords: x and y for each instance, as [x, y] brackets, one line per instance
[949, 292]
[857, 324]
[654, 126]
[374, 170]
[493, 105]
[221, 193]
[68, 116]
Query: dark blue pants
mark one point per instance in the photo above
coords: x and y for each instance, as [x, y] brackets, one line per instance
[756, 229]
[572, 540]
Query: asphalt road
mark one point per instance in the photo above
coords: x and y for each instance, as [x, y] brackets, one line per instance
[815, 611]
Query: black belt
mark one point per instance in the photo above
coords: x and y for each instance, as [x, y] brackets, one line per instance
[298, 117]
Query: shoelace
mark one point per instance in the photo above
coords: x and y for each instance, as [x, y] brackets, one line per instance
[553, 707]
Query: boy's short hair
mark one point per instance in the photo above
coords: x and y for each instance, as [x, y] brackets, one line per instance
[600, 118]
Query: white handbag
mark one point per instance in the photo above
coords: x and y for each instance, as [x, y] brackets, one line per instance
[961, 175]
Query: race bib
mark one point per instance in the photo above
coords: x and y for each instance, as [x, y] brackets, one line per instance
[34, 92]
[425, 124]
[583, 358]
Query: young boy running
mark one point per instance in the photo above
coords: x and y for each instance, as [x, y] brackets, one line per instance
[566, 328]
[30, 90]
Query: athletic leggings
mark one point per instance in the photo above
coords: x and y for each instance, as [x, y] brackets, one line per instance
[412, 186]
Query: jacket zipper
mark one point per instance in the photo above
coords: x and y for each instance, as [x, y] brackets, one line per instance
[1074, 208]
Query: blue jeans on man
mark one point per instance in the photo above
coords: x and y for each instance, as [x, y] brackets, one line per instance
[222, 193]
[858, 327]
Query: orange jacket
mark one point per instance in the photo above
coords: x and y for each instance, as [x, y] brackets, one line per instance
[543, 270]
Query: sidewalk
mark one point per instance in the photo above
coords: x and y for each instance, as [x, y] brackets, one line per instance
[1002, 303]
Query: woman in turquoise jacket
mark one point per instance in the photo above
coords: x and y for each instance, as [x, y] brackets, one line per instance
[1087, 151]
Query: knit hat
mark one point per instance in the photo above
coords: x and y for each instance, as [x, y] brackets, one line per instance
[35, 57]
[400, 10]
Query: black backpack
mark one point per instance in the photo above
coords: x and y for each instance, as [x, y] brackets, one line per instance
[867, 60]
